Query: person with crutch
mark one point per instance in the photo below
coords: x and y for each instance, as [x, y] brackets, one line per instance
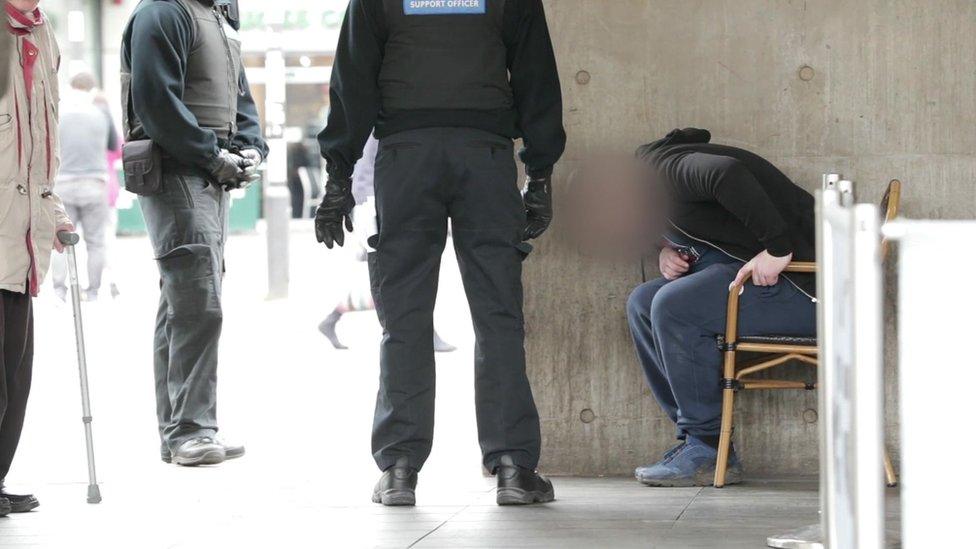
[192, 135]
[447, 86]
[34, 214]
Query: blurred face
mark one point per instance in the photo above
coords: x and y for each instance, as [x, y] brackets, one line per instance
[613, 208]
[24, 5]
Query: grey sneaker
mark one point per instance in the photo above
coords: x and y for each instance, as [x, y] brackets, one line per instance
[692, 465]
[638, 472]
[230, 451]
[199, 451]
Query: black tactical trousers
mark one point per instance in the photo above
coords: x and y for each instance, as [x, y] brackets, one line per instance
[187, 225]
[423, 178]
[16, 363]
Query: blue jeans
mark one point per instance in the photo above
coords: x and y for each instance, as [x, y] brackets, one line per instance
[675, 323]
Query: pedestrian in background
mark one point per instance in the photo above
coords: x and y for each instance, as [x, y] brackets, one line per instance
[32, 213]
[358, 296]
[87, 135]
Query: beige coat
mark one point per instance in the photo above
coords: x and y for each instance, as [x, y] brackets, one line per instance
[29, 210]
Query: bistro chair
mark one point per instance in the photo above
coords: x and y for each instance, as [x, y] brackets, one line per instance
[776, 351]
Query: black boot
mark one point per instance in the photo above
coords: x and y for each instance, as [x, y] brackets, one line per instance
[328, 329]
[521, 486]
[12, 503]
[397, 486]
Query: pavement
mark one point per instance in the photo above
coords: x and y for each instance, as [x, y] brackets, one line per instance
[304, 412]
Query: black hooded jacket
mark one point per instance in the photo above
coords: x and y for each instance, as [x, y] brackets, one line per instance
[734, 200]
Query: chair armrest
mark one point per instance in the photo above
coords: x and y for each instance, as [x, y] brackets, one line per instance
[732, 307]
[801, 267]
[794, 267]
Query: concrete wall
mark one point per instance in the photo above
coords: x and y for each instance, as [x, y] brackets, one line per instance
[891, 95]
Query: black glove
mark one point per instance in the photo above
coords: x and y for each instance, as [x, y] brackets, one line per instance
[227, 171]
[334, 212]
[248, 160]
[537, 197]
[252, 161]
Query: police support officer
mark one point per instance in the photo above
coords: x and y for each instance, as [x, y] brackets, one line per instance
[184, 89]
[447, 85]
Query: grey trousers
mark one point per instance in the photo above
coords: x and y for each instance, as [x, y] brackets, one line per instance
[87, 206]
[423, 178]
[674, 325]
[187, 225]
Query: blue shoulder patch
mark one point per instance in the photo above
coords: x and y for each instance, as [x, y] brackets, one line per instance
[444, 7]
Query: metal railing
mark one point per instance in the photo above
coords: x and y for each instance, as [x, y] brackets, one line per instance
[850, 339]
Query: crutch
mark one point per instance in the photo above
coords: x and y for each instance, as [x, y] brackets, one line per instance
[69, 240]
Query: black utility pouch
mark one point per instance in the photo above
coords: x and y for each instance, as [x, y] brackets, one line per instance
[142, 164]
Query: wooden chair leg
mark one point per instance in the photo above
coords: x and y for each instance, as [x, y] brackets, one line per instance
[891, 478]
[725, 438]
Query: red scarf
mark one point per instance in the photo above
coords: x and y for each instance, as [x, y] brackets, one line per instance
[20, 23]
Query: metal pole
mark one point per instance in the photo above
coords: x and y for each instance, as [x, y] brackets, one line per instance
[277, 199]
[69, 240]
[868, 379]
[835, 340]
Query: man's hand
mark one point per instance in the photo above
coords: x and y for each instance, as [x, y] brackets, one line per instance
[672, 264]
[252, 161]
[764, 268]
[537, 197]
[227, 169]
[334, 212]
[62, 228]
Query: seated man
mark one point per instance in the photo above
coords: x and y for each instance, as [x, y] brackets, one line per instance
[732, 215]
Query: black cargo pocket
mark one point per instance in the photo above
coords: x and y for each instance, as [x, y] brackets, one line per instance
[372, 262]
[190, 282]
[141, 163]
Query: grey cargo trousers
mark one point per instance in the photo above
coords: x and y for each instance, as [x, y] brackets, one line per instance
[423, 178]
[187, 225]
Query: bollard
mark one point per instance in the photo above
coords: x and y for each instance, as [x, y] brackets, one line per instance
[277, 215]
[277, 201]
